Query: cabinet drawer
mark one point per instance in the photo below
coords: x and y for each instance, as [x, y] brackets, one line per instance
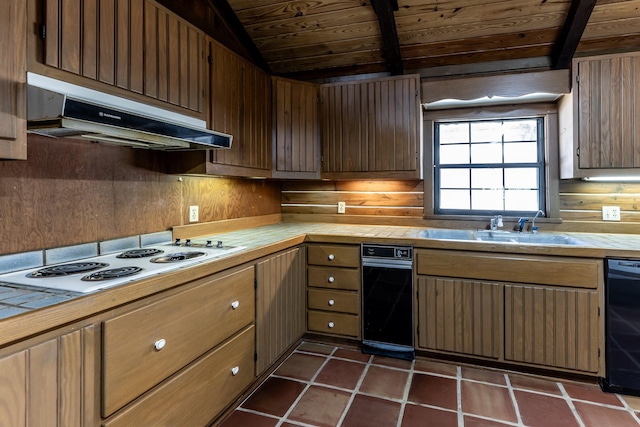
[334, 255]
[542, 270]
[334, 278]
[198, 394]
[191, 323]
[334, 323]
[330, 300]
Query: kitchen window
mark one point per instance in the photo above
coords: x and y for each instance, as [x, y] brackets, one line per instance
[487, 167]
[502, 174]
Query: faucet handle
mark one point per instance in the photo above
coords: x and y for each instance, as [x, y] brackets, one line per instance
[521, 222]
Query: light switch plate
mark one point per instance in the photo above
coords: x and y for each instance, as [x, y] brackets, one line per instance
[611, 213]
[342, 207]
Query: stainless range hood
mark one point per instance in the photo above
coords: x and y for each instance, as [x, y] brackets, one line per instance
[60, 109]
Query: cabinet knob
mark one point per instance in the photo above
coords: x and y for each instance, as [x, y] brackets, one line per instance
[159, 345]
[235, 304]
[331, 325]
[235, 370]
[331, 257]
[331, 279]
[331, 302]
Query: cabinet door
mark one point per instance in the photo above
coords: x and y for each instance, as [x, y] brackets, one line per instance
[280, 305]
[371, 127]
[552, 327]
[608, 101]
[240, 105]
[296, 129]
[461, 316]
[52, 383]
[13, 111]
[135, 45]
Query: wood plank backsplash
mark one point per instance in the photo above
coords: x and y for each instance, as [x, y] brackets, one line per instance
[71, 192]
[402, 202]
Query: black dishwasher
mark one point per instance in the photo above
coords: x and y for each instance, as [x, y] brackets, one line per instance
[387, 300]
[622, 326]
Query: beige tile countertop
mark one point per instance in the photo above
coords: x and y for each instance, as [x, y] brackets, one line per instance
[265, 240]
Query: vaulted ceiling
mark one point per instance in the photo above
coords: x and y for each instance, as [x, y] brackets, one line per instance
[320, 39]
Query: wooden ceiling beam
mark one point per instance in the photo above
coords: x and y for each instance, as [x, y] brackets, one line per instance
[231, 19]
[571, 33]
[390, 45]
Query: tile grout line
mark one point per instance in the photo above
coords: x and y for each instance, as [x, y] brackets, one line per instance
[459, 396]
[569, 401]
[307, 387]
[405, 396]
[354, 392]
[629, 408]
[513, 398]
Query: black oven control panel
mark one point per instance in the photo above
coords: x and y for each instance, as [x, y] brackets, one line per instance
[387, 251]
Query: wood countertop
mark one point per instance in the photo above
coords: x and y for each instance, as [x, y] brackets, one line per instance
[266, 240]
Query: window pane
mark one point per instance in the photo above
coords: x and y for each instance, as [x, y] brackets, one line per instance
[486, 132]
[521, 152]
[521, 178]
[454, 178]
[454, 154]
[486, 178]
[451, 133]
[520, 130]
[487, 200]
[521, 200]
[486, 153]
[454, 199]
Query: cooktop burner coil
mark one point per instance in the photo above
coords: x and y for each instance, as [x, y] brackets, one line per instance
[112, 273]
[140, 253]
[177, 257]
[67, 269]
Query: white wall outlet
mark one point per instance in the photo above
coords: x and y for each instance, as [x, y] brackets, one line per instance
[342, 207]
[611, 213]
[193, 214]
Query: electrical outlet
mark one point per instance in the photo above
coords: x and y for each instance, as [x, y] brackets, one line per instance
[342, 206]
[611, 213]
[193, 214]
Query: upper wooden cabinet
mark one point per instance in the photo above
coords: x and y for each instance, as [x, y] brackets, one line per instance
[599, 126]
[13, 67]
[371, 128]
[296, 129]
[239, 105]
[135, 45]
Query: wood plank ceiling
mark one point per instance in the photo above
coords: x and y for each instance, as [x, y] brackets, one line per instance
[320, 39]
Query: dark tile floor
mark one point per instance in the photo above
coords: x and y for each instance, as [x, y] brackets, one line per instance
[326, 386]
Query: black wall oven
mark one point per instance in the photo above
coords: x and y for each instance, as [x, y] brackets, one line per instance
[387, 300]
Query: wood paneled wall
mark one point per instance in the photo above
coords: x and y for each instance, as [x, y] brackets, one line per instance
[71, 192]
[401, 203]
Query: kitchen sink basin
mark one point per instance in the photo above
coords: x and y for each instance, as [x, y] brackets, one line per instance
[501, 237]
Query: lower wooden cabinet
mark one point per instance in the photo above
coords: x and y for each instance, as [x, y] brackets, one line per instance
[552, 327]
[51, 383]
[199, 393]
[145, 346]
[280, 310]
[460, 316]
[333, 290]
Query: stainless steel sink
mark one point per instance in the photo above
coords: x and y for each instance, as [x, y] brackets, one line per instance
[501, 237]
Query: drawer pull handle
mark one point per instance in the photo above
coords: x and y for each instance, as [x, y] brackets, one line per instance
[331, 279]
[331, 257]
[331, 302]
[235, 304]
[159, 345]
[331, 325]
[235, 370]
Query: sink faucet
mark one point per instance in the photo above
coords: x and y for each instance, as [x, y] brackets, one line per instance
[496, 222]
[522, 220]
